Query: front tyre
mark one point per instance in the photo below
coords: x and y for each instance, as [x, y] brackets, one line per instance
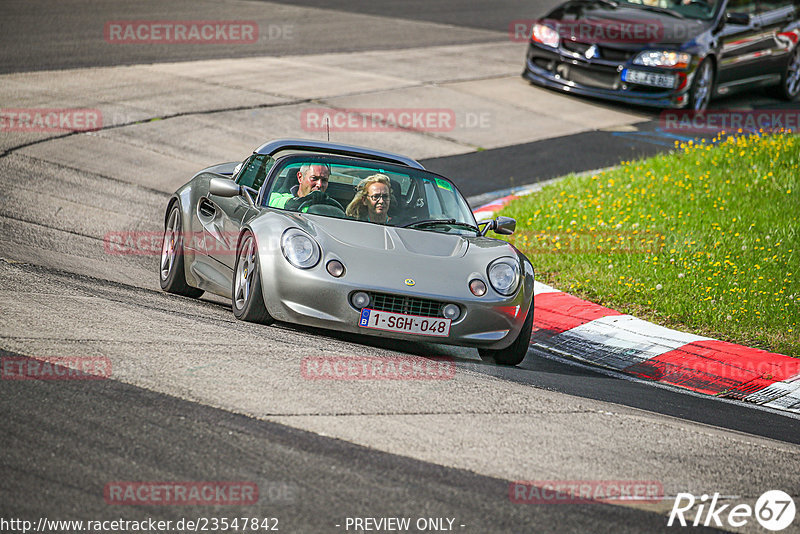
[702, 86]
[248, 301]
[515, 353]
[171, 271]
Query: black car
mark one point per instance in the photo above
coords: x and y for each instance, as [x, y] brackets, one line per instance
[666, 53]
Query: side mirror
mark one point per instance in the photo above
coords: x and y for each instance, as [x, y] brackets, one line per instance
[224, 188]
[505, 225]
[740, 19]
[501, 225]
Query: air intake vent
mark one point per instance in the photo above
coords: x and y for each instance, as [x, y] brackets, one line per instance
[403, 304]
[206, 208]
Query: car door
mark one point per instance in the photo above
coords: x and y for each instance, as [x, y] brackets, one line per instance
[775, 16]
[743, 47]
[223, 217]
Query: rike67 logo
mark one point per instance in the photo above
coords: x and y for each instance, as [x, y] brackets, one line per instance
[774, 510]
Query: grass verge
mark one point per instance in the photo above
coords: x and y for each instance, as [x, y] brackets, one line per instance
[704, 239]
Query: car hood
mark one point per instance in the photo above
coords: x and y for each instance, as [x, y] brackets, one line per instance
[601, 24]
[375, 237]
[396, 260]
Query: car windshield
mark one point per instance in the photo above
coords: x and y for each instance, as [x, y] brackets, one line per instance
[368, 191]
[693, 9]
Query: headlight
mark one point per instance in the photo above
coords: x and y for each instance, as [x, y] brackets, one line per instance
[299, 248]
[545, 35]
[663, 58]
[504, 275]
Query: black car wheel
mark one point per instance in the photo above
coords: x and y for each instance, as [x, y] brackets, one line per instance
[702, 85]
[171, 272]
[790, 79]
[515, 353]
[248, 301]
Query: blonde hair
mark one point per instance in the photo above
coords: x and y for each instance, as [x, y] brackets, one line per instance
[357, 209]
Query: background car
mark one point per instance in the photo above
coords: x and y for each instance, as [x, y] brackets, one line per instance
[666, 53]
[430, 273]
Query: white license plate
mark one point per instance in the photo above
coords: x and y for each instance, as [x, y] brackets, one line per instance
[649, 78]
[407, 324]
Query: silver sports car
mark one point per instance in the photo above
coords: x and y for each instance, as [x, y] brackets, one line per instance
[350, 239]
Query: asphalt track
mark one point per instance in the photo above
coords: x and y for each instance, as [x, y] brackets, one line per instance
[196, 395]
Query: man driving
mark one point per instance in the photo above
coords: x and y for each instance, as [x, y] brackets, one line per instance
[312, 182]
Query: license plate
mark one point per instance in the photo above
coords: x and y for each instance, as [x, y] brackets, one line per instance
[649, 78]
[407, 324]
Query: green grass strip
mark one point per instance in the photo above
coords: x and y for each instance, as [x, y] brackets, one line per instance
[704, 239]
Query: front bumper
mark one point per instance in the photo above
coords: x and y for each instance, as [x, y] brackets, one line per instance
[596, 79]
[314, 298]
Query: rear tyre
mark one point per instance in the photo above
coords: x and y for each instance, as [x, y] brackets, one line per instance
[702, 86]
[171, 271]
[790, 79]
[248, 300]
[515, 353]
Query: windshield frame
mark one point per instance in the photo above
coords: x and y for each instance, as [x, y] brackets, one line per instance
[715, 9]
[419, 175]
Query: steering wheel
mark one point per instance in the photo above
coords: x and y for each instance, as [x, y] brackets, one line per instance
[327, 209]
[317, 198]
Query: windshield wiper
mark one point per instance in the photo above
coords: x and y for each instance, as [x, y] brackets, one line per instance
[427, 222]
[465, 225]
[656, 8]
[434, 222]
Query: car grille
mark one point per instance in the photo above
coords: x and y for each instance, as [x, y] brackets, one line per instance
[612, 54]
[403, 304]
[593, 77]
[575, 46]
[606, 52]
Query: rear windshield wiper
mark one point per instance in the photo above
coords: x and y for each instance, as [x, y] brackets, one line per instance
[656, 8]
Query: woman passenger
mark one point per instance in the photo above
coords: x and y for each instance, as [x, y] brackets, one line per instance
[372, 200]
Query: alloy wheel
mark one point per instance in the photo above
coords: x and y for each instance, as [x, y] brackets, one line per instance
[169, 247]
[244, 273]
[701, 88]
[792, 83]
